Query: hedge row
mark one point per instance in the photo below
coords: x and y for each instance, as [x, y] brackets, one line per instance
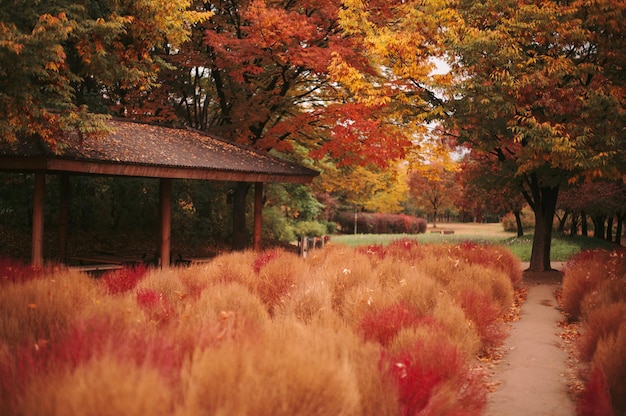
[367, 223]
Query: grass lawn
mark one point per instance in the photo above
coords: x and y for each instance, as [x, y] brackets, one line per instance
[563, 247]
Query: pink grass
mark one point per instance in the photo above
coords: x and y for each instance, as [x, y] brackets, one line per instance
[123, 280]
[485, 315]
[384, 324]
[13, 271]
[596, 400]
[421, 373]
[155, 305]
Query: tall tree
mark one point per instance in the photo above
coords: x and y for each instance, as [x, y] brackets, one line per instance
[55, 55]
[541, 86]
[434, 187]
[536, 84]
[489, 187]
[267, 73]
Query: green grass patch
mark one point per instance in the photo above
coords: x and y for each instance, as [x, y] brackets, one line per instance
[563, 247]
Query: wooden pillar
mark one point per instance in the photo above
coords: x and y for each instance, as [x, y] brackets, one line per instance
[166, 220]
[38, 200]
[258, 215]
[64, 194]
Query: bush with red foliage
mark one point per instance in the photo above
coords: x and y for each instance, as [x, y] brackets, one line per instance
[67, 350]
[379, 223]
[585, 271]
[422, 373]
[382, 325]
[596, 400]
[123, 280]
[155, 305]
[492, 257]
[13, 271]
[263, 258]
[480, 309]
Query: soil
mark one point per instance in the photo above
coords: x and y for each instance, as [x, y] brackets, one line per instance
[535, 374]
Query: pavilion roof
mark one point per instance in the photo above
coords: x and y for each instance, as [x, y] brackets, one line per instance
[145, 150]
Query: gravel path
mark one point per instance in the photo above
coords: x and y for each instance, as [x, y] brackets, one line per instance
[533, 370]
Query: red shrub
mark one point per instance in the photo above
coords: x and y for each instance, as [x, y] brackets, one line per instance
[13, 271]
[492, 257]
[383, 325]
[263, 258]
[75, 346]
[604, 322]
[373, 249]
[480, 309]
[596, 400]
[155, 305]
[123, 280]
[585, 272]
[421, 373]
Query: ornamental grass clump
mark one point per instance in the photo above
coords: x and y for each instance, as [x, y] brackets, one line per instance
[344, 331]
[585, 272]
[594, 291]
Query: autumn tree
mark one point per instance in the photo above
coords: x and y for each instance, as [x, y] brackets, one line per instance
[604, 201]
[486, 186]
[269, 74]
[435, 187]
[58, 57]
[539, 86]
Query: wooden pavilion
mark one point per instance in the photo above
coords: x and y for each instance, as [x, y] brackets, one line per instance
[143, 150]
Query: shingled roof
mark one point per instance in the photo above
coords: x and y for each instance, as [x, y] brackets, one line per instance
[144, 150]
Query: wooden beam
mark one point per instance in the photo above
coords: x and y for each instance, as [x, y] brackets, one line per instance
[37, 237]
[166, 220]
[258, 215]
[56, 165]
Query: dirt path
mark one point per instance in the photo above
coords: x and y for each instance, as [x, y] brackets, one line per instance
[532, 373]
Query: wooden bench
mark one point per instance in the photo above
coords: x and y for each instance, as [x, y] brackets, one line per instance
[105, 259]
[97, 268]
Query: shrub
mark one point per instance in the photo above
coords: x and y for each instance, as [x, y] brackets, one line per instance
[323, 335]
[432, 377]
[378, 223]
[585, 272]
[604, 322]
[610, 355]
[123, 280]
[595, 400]
[122, 389]
[509, 222]
[382, 325]
[15, 271]
[593, 288]
[309, 228]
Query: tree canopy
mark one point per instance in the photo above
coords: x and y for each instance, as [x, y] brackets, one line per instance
[55, 55]
[537, 86]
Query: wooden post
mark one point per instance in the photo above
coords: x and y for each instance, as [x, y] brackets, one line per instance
[38, 201]
[258, 215]
[165, 200]
[64, 194]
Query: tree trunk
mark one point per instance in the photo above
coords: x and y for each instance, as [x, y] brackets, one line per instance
[583, 224]
[573, 230]
[543, 203]
[518, 223]
[240, 232]
[562, 221]
[598, 226]
[609, 230]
